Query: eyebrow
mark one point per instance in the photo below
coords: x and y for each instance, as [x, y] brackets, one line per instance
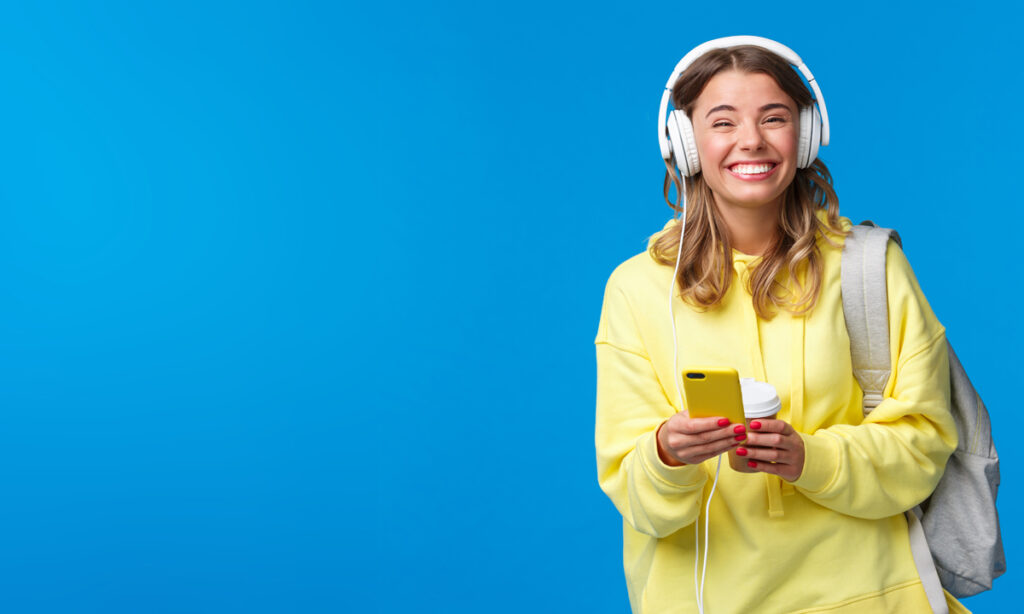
[767, 107]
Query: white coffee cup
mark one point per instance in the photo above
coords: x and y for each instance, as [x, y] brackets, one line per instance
[760, 401]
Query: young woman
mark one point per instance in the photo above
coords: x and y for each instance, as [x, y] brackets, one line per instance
[754, 285]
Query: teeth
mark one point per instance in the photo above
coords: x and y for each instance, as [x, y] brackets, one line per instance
[752, 169]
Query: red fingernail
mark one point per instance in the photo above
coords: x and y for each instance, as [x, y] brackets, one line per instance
[755, 424]
[741, 451]
[739, 428]
[723, 422]
[752, 464]
[740, 437]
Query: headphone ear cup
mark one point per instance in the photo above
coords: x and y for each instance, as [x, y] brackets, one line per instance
[810, 136]
[684, 144]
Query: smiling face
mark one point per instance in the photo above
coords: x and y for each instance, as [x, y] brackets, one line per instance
[746, 132]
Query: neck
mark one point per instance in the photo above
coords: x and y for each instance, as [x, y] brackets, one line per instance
[752, 230]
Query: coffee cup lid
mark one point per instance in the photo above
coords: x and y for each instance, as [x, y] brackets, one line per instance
[759, 398]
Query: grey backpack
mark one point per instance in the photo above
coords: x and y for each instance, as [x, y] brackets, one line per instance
[958, 523]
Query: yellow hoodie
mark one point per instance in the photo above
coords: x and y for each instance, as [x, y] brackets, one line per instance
[835, 540]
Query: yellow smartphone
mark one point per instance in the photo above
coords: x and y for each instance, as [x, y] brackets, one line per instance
[713, 392]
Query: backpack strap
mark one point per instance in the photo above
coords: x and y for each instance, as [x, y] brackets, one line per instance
[925, 563]
[863, 290]
[866, 308]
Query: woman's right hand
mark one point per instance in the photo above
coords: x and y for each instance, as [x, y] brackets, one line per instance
[688, 441]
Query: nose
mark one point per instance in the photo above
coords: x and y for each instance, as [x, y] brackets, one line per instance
[750, 136]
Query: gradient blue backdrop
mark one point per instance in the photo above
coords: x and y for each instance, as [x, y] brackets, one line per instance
[297, 300]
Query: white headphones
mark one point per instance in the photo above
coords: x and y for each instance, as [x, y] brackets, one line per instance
[676, 135]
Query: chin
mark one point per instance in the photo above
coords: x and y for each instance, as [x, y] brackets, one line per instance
[759, 201]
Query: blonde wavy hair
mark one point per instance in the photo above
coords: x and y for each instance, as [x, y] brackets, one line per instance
[789, 274]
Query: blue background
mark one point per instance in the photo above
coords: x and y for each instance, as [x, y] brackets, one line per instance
[297, 300]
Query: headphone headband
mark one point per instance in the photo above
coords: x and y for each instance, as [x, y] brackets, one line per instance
[732, 41]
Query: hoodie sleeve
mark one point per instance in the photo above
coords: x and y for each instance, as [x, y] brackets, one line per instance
[894, 459]
[653, 498]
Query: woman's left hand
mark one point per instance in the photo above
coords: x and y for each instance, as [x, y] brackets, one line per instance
[776, 448]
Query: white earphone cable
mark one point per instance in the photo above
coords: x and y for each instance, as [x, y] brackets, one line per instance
[698, 577]
[707, 524]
